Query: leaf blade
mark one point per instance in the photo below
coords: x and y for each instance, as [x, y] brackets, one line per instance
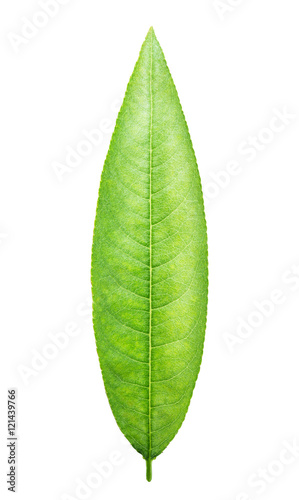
[149, 261]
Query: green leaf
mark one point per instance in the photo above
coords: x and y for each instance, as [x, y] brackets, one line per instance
[149, 261]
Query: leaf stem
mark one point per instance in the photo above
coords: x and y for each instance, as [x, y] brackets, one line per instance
[149, 472]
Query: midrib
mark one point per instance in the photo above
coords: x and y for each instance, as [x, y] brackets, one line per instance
[151, 267]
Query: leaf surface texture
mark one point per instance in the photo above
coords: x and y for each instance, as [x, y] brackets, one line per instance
[149, 260]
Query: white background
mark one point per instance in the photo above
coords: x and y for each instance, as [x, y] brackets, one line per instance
[234, 70]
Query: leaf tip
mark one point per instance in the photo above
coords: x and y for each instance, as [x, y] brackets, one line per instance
[151, 33]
